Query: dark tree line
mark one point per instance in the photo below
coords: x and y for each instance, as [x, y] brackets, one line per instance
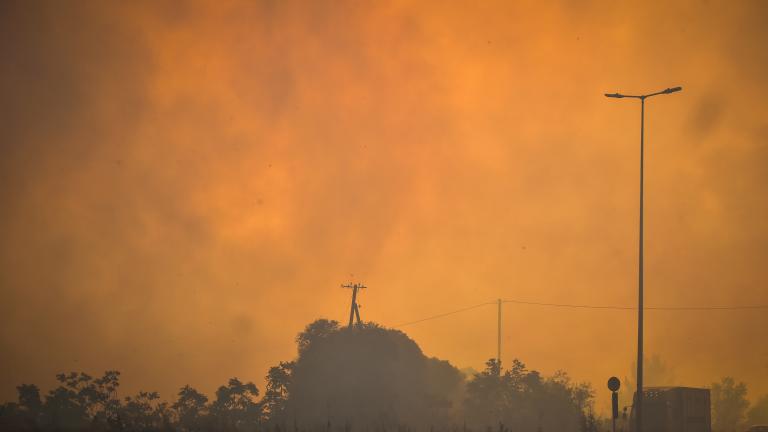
[521, 399]
[81, 402]
[343, 379]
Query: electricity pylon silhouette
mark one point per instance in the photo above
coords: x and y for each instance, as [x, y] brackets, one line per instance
[354, 311]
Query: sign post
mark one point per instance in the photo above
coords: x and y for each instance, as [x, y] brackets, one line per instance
[613, 385]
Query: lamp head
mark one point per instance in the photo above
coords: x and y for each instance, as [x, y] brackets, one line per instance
[672, 90]
[614, 95]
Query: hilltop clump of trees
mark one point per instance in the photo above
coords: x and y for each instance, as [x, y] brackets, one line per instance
[361, 378]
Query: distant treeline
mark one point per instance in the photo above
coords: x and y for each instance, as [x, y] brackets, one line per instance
[364, 378]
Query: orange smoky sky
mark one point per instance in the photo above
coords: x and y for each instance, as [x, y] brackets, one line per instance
[184, 186]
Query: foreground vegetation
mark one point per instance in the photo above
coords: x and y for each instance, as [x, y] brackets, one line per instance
[363, 378]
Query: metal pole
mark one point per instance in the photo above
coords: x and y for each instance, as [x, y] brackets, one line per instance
[639, 401]
[498, 347]
[353, 306]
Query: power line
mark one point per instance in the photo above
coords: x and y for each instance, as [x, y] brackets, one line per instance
[673, 308]
[706, 308]
[563, 305]
[443, 314]
[588, 306]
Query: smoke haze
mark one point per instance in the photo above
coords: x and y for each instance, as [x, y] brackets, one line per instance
[185, 186]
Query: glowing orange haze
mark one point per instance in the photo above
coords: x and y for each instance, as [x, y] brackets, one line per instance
[183, 188]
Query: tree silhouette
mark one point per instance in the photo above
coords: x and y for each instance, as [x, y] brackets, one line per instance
[315, 331]
[523, 400]
[29, 397]
[488, 394]
[276, 394]
[236, 406]
[190, 408]
[81, 401]
[144, 411]
[729, 404]
[366, 376]
[23, 415]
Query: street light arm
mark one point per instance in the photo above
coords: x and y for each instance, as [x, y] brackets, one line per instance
[619, 96]
[665, 91]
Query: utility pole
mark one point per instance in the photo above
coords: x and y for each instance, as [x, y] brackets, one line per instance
[354, 311]
[498, 346]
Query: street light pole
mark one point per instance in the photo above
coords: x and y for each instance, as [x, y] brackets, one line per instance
[640, 272]
[638, 408]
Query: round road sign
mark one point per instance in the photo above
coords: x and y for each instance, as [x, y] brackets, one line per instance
[613, 384]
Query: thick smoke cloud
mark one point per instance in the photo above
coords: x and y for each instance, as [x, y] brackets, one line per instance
[184, 186]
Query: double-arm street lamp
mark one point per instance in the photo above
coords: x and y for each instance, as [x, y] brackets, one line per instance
[638, 408]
